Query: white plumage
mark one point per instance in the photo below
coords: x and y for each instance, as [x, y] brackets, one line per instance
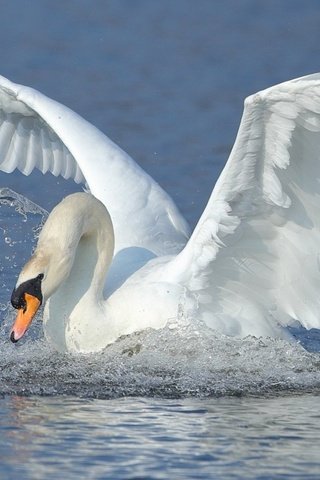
[251, 265]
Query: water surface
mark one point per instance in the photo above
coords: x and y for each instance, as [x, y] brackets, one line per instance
[199, 438]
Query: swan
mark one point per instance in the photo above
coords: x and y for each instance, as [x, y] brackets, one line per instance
[119, 258]
[69, 267]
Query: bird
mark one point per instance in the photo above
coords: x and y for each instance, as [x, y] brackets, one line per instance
[119, 257]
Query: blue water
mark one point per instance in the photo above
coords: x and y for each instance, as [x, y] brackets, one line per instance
[160, 439]
[166, 81]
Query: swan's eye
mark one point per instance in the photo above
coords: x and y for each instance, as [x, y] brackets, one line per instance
[40, 276]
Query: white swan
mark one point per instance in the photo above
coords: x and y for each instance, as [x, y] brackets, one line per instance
[251, 266]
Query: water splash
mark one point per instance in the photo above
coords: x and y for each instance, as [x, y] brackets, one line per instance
[191, 361]
[20, 224]
[184, 359]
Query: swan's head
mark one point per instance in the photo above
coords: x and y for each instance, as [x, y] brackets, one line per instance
[38, 280]
[26, 298]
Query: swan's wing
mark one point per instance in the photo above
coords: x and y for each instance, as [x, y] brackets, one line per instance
[37, 132]
[254, 257]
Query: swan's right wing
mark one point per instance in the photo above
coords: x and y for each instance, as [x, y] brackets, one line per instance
[254, 257]
[37, 132]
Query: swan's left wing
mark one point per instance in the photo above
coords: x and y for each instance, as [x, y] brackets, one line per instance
[254, 258]
[37, 132]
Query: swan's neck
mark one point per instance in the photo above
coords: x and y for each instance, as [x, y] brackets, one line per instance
[83, 245]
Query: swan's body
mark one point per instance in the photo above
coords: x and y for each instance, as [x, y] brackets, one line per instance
[76, 316]
[250, 267]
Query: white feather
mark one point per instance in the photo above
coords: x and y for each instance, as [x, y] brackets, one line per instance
[269, 192]
[37, 132]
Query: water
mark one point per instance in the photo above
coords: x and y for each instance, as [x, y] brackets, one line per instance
[185, 439]
[166, 80]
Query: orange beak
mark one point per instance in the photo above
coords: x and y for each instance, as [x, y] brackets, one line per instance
[24, 317]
